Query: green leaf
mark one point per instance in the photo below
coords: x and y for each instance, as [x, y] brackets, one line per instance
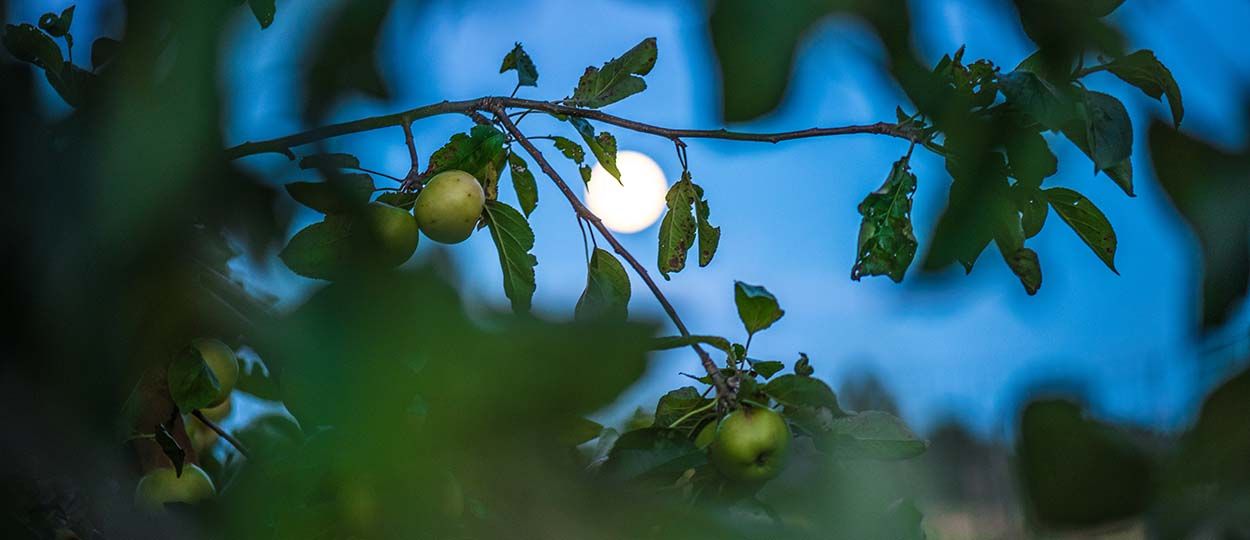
[570, 149]
[341, 194]
[1087, 221]
[1148, 74]
[803, 366]
[757, 308]
[103, 50]
[523, 182]
[709, 236]
[767, 368]
[578, 430]
[678, 403]
[677, 229]
[1023, 262]
[329, 161]
[1104, 132]
[1036, 97]
[870, 435]
[673, 342]
[651, 452]
[602, 145]
[72, 83]
[28, 44]
[1029, 157]
[170, 447]
[887, 244]
[802, 391]
[57, 26]
[618, 79]
[585, 171]
[399, 199]
[519, 60]
[513, 240]
[607, 289]
[479, 153]
[191, 382]
[321, 250]
[263, 10]
[1033, 209]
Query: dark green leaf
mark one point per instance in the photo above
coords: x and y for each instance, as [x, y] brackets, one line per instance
[1104, 132]
[103, 50]
[1147, 73]
[519, 60]
[651, 452]
[57, 26]
[1033, 210]
[1029, 157]
[801, 391]
[803, 366]
[28, 44]
[1023, 262]
[72, 83]
[344, 58]
[618, 79]
[171, 448]
[513, 240]
[585, 172]
[329, 161]
[757, 308]
[607, 289]
[678, 403]
[767, 368]
[191, 382]
[399, 199]
[603, 145]
[579, 430]
[1087, 221]
[523, 182]
[709, 236]
[673, 342]
[479, 153]
[1036, 97]
[263, 10]
[570, 149]
[887, 244]
[321, 250]
[870, 435]
[677, 230]
[342, 193]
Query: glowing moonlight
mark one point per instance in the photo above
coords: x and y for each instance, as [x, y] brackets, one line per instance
[635, 202]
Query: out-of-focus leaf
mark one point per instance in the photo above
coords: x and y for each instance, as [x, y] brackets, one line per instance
[1087, 221]
[1037, 98]
[322, 250]
[1029, 157]
[651, 451]
[191, 382]
[1147, 73]
[103, 50]
[1211, 190]
[618, 79]
[513, 240]
[523, 182]
[517, 59]
[678, 403]
[263, 10]
[607, 289]
[767, 368]
[580, 430]
[757, 308]
[57, 26]
[673, 342]
[870, 435]
[342, 193]
[602, 145]
[978, 198]
[72, 83]
[1077, 472]
[887, 244]
[803, 366]
[1064, 29]
[344, 59]
[800, 391]
[28, 44]
[329, 161]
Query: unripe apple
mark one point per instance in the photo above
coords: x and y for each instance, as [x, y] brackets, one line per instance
[449, 206]
[163, 485]
[392, 233]
[223, 363]
[751, 445]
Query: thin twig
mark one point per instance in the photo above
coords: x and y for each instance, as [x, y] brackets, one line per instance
[216, 428]
[413, 171]
[595, 222]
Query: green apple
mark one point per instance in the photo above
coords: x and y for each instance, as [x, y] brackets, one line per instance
[223, 363]
[751, 445]
[163, 485]
[449, 206]
[392, 231]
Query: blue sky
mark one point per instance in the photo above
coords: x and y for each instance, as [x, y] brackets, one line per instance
[951, 344]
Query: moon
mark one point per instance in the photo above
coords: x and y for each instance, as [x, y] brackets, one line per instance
[634, 203]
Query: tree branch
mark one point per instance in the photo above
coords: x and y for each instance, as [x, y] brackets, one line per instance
[721, 388]
[283, 145]
[216, 428]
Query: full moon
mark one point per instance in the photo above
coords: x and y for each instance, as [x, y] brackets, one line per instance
[635, 202]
